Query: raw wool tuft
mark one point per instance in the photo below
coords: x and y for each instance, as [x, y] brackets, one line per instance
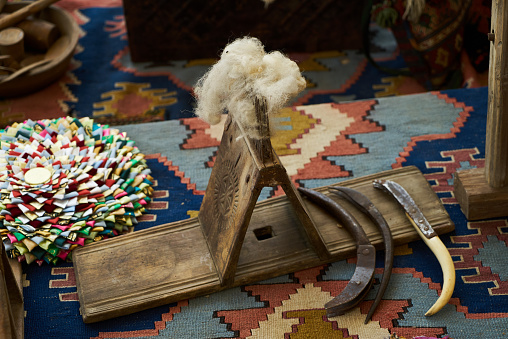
[245, 72]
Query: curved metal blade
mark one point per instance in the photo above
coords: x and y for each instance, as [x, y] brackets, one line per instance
[367, 207]
[359, 285]
[339, 212]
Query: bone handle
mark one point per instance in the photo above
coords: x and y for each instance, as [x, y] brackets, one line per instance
[445, 261]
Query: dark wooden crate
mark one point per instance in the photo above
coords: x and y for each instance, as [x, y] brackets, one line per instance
[161, 30]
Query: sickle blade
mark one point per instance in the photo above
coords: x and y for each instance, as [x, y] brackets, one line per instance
[359, 285]
[426, 232]
[368, 208]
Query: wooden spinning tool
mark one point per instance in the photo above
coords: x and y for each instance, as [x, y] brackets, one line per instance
[235, 240]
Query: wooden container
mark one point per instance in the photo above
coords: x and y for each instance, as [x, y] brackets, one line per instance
[48, 72]
[160, 30]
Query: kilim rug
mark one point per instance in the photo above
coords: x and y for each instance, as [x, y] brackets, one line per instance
[439, 132]
[103, 83]
[352, 120]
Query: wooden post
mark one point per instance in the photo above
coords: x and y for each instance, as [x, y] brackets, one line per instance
[483, 193]
[496, 147]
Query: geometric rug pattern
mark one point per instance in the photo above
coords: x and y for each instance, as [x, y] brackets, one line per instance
[350, 121]
[440, 133]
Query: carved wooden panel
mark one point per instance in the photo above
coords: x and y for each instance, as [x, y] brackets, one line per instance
[229, 200]
[243, 167]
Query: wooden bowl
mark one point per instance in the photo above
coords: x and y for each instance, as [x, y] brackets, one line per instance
[51, 71]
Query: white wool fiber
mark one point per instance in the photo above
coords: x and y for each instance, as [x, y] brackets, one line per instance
[243, 73]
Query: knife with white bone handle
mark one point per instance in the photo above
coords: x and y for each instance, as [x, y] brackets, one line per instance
[431, 239]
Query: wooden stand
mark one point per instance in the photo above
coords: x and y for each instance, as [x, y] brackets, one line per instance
[483, 193]
[243, 167]
[11, 299]
[234, 240]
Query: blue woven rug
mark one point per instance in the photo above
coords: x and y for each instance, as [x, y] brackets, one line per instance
[103, 83]
[439, 132]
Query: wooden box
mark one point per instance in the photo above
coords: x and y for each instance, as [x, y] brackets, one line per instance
[161, 30]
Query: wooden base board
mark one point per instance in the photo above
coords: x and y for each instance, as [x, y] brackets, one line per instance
[171, 262]
[477, 199]
[12, 313]
[17, 271]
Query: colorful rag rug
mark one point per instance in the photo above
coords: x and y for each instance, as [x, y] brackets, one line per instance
[439, 132]
[65, 183]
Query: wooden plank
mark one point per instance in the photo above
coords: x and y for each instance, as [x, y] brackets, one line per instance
[172, 261]
[478, 200]
[144, 269]
[292, 250]
[338, 240]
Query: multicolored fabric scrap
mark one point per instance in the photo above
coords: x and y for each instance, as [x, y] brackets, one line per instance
[65, 183]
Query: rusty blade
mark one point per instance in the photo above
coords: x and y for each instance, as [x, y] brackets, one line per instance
[367, 207]
[339, 212]
[359, 285]
[408, 204]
